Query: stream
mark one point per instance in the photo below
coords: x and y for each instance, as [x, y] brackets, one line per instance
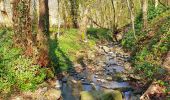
[103, 68]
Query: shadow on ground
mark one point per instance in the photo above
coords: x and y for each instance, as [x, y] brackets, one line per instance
[100, 33]
[59, 60]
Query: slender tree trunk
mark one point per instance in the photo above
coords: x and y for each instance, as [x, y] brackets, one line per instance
[132, 17]
[145, 10]
[114, 15]
[120, 11]
[74, 12]
[156, 3]
[43, 32]
[6, 19]
[2, 5]
[83, 26]
[114, 24]
[58, 19]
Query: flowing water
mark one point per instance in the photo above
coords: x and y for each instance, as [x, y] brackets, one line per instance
[105, 73]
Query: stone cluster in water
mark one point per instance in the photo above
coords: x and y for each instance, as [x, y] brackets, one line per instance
[100, 69]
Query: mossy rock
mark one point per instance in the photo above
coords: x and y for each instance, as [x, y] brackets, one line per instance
[111, 95]
[87, 96]
[101, 95]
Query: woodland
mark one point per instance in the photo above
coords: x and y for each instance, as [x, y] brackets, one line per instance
[84, 49]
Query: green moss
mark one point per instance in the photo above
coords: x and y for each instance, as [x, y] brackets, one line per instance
[101, 95]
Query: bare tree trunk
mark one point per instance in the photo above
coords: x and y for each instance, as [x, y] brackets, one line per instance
[114, 16]
[156, 3]
[120, 11]
[58, 19]
[132, 17]
[6, 20]
[2, 4]
[114, 24]
[83, 26]
[43, 32]
[74, 12]
[145, 10]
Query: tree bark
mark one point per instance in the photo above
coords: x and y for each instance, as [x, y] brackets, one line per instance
[145, 10]
[22, 26]
[58, 19]
[44, 17]
[156, 3]
[132, 17]
[43, 33]
[74, 12]
[83, 26]
[114, 24]
[114, 16]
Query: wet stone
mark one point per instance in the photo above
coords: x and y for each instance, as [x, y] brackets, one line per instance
[109, 78]
[52, 94]
[111, 62]
[103, 80]
[64, 80]
[95, 76]
[58, 84]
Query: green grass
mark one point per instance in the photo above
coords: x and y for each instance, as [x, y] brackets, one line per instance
[63, 51]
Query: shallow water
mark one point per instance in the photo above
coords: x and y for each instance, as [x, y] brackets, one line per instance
[107, 65]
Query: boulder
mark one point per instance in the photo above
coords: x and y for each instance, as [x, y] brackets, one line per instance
[52, 94]
[78, 68]
[101, 95]
[86, 96]
[106, 49]
[112, 95]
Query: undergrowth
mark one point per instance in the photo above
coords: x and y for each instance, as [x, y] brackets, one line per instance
[151, 45]
[17, 72]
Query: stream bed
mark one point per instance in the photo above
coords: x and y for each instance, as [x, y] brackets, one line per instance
[105, 68]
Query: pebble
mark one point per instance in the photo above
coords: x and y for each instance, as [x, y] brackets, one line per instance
[58, 84]
[103, 81]
[98, 79]
[74, 81]
[109, 78]
[95, 76]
